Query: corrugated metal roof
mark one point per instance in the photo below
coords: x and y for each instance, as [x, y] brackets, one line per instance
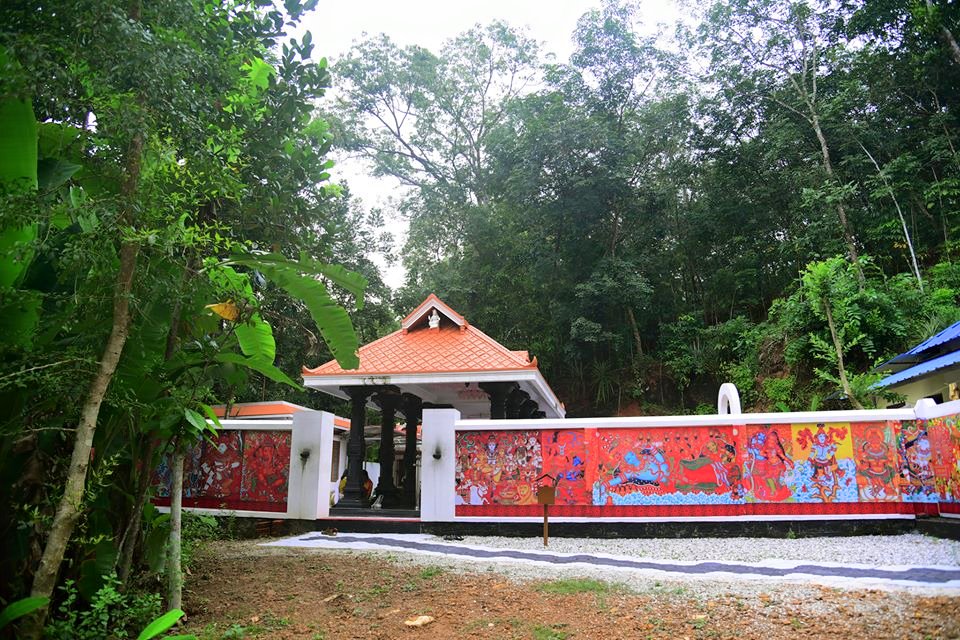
[950, 333]
[913, 356]
[923, 368]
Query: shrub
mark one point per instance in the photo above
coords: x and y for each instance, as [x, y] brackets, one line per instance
[111, 614]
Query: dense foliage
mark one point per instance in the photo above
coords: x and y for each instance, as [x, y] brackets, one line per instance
[166, 220]
[642, 217]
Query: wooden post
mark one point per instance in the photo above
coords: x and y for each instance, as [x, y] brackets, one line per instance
[546, 525]
[546, 495]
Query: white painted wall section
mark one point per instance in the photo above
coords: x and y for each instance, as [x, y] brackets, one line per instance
[325, 458]
[438, 465]
[306, 462]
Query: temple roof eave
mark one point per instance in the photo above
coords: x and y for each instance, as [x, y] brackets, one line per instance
[530, 379]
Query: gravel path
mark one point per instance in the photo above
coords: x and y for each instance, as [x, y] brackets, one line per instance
[871, 550]
[911, 549]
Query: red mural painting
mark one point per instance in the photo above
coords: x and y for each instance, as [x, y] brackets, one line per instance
[242, 470]
[768, 462]
[634, 465]
[498, 467]
[944, 448]
[565, 458]
[266, 466]
[773, 469]
[219, 467]
[874, 449]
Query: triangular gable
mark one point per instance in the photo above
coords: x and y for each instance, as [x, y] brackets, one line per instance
[426, 307]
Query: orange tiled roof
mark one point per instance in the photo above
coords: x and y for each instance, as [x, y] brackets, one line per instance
[421, 349]
[253, 409]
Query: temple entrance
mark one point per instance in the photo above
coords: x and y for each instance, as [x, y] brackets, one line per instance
[436, 360]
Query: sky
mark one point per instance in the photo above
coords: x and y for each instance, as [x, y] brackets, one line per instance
[428, 23]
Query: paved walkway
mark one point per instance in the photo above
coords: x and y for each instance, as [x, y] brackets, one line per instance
[833, 574]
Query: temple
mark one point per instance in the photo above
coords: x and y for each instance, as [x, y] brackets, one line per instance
[436, 360]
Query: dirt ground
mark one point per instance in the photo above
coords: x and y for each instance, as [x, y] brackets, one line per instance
[238, 590]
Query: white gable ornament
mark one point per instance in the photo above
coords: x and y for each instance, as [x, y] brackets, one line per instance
[434, 320]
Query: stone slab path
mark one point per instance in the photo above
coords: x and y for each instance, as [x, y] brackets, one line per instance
[942, 578]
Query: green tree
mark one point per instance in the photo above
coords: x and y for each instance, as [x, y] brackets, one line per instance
[173, 141]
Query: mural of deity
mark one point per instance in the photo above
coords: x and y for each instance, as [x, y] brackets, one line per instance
[565, 458]
[266, 466]
[826, 477]
[497, 467]
[876, 466]
[916, 468]
[800, 468]
[219, 468]
[767, 466]
[714, 469]
[944, 439]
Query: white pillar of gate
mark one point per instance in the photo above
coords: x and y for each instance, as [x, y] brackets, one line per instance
[311, 450]
[438, 460]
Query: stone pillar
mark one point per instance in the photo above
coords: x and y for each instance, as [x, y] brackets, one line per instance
[498, 392]
[356, 448]
[412, 409]
[388, 399]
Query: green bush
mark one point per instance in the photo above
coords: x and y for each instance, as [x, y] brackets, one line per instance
[111, 615]
[780, 392]
[196, 529]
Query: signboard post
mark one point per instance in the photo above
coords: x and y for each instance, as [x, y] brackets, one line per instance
[547, 495]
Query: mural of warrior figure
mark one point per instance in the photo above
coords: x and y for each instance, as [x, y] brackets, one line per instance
[916, 462]
[823, 459]
[875, 464]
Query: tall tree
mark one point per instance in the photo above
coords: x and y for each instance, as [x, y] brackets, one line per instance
[168, 133]
[780, 50]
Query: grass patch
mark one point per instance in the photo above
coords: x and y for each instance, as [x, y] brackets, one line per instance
[576, 585]
[430, 572]
[541, 632]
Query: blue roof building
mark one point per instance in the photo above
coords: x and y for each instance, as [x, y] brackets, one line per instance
[929, 370]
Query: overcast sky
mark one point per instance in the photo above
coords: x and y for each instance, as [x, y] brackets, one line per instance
[428, 23]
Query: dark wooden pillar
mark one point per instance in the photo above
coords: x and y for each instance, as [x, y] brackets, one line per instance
[498, 392]
[528, 409]
[356, 448]
[388, 399]
[412, 408]
[514, 401]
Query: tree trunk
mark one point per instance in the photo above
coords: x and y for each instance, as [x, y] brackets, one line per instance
[945, 34]
[131, 534]
[903, 220]
[174, 573]
[841, 210]
[68, 511]
[636, 331]
[839, 349]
